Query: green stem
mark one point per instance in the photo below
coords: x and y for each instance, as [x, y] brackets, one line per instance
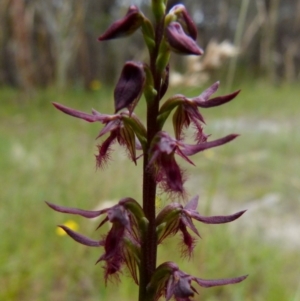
[149, 245]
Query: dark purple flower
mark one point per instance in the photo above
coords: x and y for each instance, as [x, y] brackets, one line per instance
[170, 281]
[187, 112]
[122, 243]
[162, 158]
[125, 26]
[177, 218]
[184, 19]
[179, 41]
[122, 127]
[130, 86]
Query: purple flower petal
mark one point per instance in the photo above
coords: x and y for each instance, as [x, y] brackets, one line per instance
[104, 150]
[217, 282]
[189, 24]
[130, 86]
[125, 26]
[187, 221]
[81, 238]
[205, 95]
[192, 204]
[188, 241]
[190, 150]
[219, 219]
[180, 42]
[217, 101]
[84, 213]
[182, 155]
[102, 223]
[79, 114]
[109, 127]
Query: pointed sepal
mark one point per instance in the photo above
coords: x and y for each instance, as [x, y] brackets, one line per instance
[218, 219]
[189, 150]
[95, 116]
[204, 100]
[81, 238]
[76, 211]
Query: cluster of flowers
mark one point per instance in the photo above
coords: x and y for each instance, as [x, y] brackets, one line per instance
[122, 245]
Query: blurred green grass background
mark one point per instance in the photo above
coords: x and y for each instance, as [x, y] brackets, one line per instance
[46, 155]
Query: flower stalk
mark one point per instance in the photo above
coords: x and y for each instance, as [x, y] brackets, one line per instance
[136, 228]
[149, 246]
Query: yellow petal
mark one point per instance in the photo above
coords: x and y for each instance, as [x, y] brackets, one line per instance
[70, 224]
[95, 85]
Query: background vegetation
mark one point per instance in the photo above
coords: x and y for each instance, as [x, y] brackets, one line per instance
[54, 43]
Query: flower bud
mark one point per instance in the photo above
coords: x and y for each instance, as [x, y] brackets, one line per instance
[130, 86]
[179, 41]
[158, 9]
[185, 20]
[125, 26]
